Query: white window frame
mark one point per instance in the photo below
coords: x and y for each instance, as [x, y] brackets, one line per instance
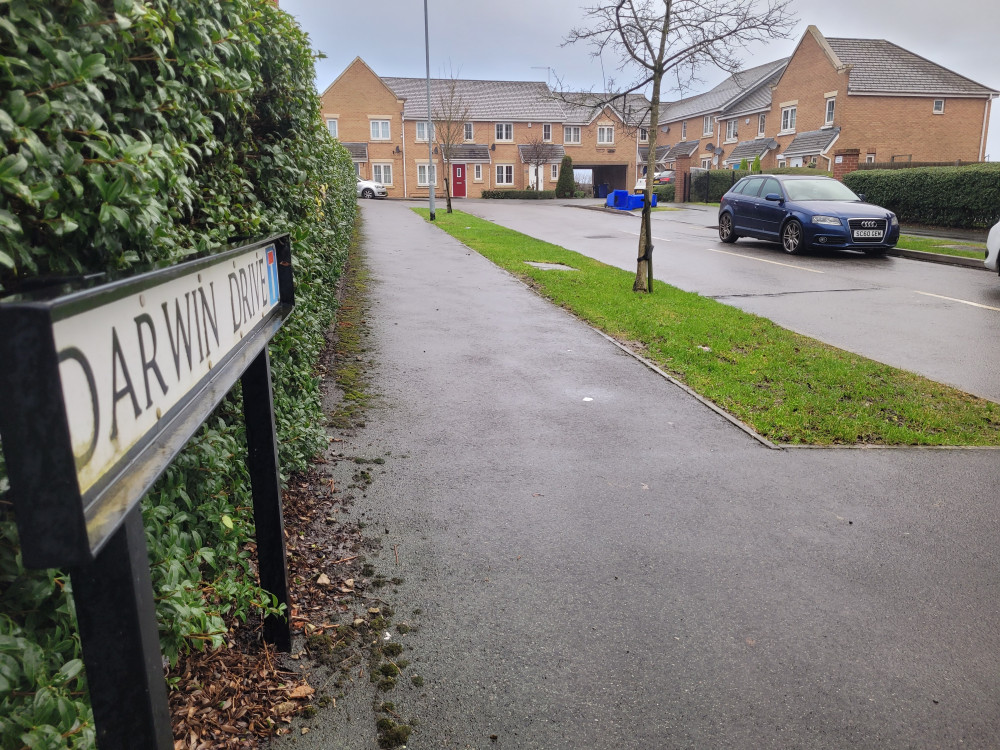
[761, 124]
[504, 174]
[643, 135]
[603, 131]
[788, 117]
[378, 170]
[706, 163]
[469, 132]
[684, 130]
[421, 137]
[707, 125]
[357, 169]
[333, 126]
[423, 168]
[379, 133]
[869, 158]
[477, 172]
[569, 131]
[831, 110]
[554, 171]
[732, 130]
[935, 109]
[504, 132]
[547, 132]
[781, 163]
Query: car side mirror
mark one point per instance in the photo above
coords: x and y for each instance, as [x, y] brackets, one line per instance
[861, 197]
[774, 197]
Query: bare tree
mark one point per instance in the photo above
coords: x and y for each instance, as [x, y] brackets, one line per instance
[537, 153]
[676, 37]
[450, 113]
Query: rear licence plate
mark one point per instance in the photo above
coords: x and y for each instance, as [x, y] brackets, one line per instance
[862, 233]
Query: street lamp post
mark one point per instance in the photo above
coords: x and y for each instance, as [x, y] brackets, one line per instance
[431, 167]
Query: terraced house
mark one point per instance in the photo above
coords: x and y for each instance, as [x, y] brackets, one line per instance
[832, 102]
[504, 134]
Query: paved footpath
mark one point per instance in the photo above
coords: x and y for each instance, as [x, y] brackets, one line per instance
[601, 561]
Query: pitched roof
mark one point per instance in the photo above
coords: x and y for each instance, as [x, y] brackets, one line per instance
[581, 108]
[547, 153]
[358, 151]
[756, 99]
[811, 142]
[490, 101]
[684, 148]
[878, 66]
[470, 152]
[661, 153]
[750, 150]
[734, 88]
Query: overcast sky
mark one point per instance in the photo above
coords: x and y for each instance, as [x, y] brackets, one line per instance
[521, 39]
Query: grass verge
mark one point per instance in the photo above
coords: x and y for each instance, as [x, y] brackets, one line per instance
[959, 248]
[789, 388]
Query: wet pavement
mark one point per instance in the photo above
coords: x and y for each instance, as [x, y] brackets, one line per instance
[600, 561]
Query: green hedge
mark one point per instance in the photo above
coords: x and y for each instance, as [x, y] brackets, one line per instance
[813, 171]
[526, 194]
[966, 197]
[664, 193]
[136, 133]
[709, 186]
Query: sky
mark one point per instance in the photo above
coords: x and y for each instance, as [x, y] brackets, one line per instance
[522, 40]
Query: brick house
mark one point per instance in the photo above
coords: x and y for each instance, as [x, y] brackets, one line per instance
[867, 96]
[513, 134]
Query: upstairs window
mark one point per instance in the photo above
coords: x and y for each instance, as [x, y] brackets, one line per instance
[831, 107]
[761, 122]
[939, 106]
[547, 132]
[380, 130]
[731, 130]
[788, 119]
[684, 130]
[331, 125]
[422, 131]
[707, 127]
[605, 135]
[643, 135]
[505, 131]
[571, 134]
[468, 131]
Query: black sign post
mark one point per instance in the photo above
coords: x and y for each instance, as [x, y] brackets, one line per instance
[102, 387]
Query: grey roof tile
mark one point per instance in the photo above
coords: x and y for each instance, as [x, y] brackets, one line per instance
[548, 153]
[490, 101]
[881, 66]
[684, 148]
[810, 142]
[661, 153]
[358, 151]
[581, 108]
[750, 150]
[470, 152]
[730, 90]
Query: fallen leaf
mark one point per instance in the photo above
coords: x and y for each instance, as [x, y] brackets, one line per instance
[301, 691]
[285, 708]
[323, 579]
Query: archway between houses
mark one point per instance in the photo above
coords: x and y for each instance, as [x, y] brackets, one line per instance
[606, 177]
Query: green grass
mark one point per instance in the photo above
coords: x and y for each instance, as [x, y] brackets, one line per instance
[960, 248]
[789, 388]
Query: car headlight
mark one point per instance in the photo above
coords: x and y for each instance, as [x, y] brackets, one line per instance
[893, 220]
[826, 220]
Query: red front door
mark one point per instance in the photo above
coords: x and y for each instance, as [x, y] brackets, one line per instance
[458, 180]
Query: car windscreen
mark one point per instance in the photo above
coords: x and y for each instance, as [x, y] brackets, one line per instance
[818, 190]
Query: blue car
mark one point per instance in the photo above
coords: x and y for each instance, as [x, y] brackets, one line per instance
[801, 211]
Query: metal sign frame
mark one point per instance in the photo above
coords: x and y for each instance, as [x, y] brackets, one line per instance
[97, 532]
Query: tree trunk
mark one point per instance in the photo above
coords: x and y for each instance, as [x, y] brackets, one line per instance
[447, 194]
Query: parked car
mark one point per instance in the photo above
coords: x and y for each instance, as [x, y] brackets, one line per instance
[660, 178]
[371, 189]
[993, 248]
[801, 211]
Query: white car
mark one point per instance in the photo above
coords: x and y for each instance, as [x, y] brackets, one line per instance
[993, 249]
[371, 189]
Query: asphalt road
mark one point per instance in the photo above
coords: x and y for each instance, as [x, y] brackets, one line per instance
[940, 321]
[600, 561]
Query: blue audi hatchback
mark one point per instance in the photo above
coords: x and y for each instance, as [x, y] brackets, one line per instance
[801, 211]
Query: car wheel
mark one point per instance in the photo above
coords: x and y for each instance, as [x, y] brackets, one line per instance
[367, 193]
[726, 233]
[791, 237]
